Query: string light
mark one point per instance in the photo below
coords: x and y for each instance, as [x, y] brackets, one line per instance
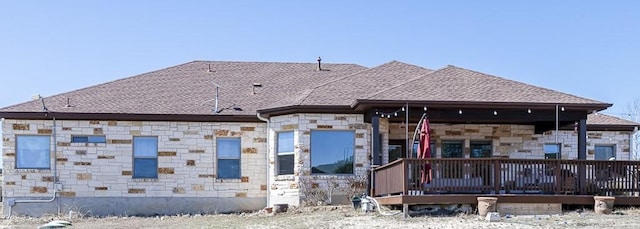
[459, 111]
[529, 111]
[561, 108]
[394, 113]
[495, 112]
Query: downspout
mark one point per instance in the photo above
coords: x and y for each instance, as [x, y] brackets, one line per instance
[267, 158]
[632, 144]
[55, 177]
[557, 116]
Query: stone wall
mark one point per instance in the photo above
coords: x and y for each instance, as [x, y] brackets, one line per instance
[186, 160]
[286, 189]
[516, 141]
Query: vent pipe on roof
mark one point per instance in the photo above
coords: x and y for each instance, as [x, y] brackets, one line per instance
[319, 64]
[253, 89]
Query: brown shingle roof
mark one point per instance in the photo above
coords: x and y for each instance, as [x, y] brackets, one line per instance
[603, 119]
[461, 85]
[345, 90]
[189, 89]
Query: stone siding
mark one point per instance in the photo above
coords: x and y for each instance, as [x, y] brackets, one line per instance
[186, 160]
[515, 141]
[286, 189]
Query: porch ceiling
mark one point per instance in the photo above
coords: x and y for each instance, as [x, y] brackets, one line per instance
[543, 119]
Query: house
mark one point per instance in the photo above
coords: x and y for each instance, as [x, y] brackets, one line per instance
[217, 136]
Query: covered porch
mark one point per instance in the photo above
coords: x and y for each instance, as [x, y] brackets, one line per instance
[461, 181]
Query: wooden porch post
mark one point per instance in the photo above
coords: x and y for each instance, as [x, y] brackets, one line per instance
[582, 154]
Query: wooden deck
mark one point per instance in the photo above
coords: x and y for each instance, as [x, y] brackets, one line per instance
[502, 198]
[461, 181]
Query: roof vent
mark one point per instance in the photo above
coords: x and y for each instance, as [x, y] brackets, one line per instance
[209, 69]
[253, 88]
[319, 64]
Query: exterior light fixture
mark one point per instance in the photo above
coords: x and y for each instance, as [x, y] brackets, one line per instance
[402, 109]
[495, 112]
[425, 108]
[460, 111]
[561, 108]
[529, 111]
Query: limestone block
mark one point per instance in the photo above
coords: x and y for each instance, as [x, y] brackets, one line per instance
[492, 217]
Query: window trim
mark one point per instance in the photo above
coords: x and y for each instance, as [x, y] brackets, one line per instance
[17, 150]
[353, 166]
[134, 157]
[218, 158]
[287, 153]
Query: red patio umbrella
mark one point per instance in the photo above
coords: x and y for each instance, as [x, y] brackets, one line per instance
[424, 150]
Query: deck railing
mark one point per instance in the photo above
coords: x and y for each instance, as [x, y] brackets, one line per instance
[410, 176]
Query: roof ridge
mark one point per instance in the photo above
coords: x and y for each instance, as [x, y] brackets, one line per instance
[269, 62]
[302, 100]
[518, 82]
[408, 81]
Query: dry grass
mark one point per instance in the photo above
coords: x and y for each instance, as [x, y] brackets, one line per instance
[344, 217]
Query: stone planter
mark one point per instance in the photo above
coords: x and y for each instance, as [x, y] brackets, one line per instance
[486, 205]
[603, 204]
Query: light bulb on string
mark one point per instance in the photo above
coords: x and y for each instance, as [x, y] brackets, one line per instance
[529, 111]
[460, 111]
[402, 109]
[495, 112]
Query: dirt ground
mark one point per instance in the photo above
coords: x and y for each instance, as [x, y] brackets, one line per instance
[344, 217]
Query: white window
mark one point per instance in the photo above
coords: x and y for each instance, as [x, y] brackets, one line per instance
[285, 154]
[228, 150]
[552, 151]
[605, 152]
[88, 139]
[332, 151]
[33, 152]
[145, 157]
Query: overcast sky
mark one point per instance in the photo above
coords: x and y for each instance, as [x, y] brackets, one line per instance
[585, 48]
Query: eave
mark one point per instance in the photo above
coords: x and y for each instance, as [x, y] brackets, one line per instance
[129, 117]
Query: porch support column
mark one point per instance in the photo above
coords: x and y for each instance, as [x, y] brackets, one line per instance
[582, 139]
[375, 135]
[376, 148]
[582, 154]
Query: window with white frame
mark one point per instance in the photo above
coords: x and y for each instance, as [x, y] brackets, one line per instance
[33, 152]
[88, 139]
[285, 160]
[605, 152]
[145, 157]
[228, 151]
[552, 151]
[332, 151]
